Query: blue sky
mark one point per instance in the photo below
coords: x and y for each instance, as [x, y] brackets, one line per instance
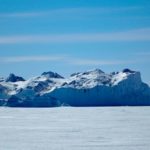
[71, 36]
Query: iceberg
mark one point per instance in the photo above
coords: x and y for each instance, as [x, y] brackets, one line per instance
[89, 88]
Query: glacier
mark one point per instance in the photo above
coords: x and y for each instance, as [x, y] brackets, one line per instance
[89, 88]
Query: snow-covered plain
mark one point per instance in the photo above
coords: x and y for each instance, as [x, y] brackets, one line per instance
[69, 128]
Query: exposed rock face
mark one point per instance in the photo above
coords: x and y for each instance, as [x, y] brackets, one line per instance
[51, 75]
[14, 78]
[90, 88]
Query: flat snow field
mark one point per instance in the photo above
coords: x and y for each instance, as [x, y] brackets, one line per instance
[69, 128]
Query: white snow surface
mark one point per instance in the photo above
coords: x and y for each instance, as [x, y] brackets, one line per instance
[119, 77]
[69, 128]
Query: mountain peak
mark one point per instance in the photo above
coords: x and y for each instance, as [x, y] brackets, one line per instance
[126, 70]
[95, 72]
[86, 73]
[14, 78]
[98, 71]
[51, 74]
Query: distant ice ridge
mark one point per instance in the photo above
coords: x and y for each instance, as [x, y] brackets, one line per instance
[90, 88]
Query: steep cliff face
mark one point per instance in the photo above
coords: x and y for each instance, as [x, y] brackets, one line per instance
[95, 88]
[90, 88]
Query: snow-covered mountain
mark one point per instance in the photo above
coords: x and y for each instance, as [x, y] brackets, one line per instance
[90, 88]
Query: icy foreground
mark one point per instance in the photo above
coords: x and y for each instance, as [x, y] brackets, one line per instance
[99, 128]
[90, 88]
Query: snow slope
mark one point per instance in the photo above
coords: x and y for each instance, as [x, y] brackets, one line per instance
[90, 88]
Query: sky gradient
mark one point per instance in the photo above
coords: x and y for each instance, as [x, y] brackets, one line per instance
[71, 36]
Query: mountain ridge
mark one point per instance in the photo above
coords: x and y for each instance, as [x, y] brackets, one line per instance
[89, 88]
